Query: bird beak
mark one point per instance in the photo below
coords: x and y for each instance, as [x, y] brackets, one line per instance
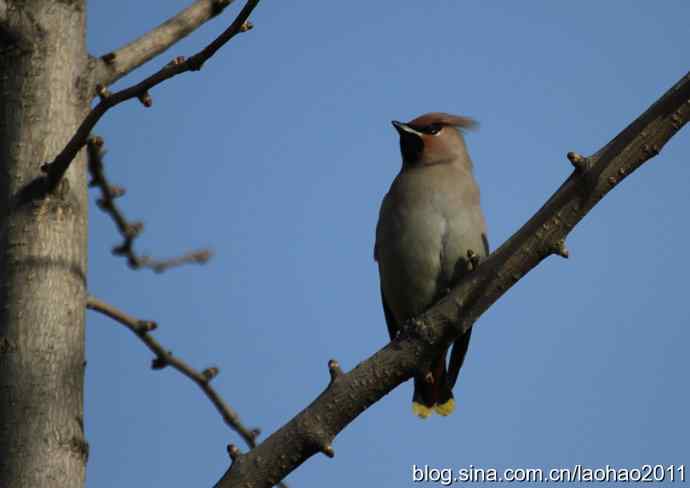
[405, 129]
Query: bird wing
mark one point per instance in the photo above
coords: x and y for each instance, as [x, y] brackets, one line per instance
[390, 320]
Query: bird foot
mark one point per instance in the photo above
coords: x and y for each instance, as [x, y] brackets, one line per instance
[472, 260]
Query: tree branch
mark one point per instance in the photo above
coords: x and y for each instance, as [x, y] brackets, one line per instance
[348, 395]
[116, 64]
[57, 168]
[129, 230]
[141, 329]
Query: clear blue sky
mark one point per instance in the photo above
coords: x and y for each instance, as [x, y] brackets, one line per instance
[277, 155]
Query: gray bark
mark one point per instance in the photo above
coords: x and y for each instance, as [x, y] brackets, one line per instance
[42, 245]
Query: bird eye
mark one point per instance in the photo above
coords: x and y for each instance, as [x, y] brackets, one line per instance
[432, 129]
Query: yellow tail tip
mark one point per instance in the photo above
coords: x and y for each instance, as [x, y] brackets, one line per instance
[421, 411]
[445, 408]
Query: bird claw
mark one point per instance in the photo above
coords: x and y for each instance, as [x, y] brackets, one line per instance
[472, 260]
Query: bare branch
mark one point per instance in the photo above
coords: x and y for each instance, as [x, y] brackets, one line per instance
[116, 64]
[128, 230]
[200, 256]
[57, 168]
[348, 395]
[142, 329]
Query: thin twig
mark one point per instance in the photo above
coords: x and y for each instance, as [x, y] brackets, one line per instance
[128, 230]
[57, 168]
[118, 63]
[142, 329]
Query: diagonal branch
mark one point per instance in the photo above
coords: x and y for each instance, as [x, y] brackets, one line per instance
[57, 168]
[116, 64]
[129, 230]
[348, 395]
[142, 329]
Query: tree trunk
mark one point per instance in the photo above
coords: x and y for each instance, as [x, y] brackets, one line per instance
[42, 245]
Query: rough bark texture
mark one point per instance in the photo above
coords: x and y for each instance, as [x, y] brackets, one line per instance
[314, 428]
[42, 246]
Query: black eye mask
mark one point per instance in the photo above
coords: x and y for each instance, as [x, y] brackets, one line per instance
[431, 129]
[411, 147]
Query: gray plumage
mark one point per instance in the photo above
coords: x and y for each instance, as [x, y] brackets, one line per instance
[429, 219]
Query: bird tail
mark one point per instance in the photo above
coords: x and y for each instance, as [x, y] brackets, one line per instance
[432, 392]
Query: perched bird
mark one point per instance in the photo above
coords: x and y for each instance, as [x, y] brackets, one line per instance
[429, 220]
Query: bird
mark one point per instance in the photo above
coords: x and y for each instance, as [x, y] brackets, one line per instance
[430, 229]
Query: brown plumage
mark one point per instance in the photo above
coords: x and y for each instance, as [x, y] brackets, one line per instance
[428, 221]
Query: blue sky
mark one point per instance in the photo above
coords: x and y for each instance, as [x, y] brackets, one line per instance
[277, 155]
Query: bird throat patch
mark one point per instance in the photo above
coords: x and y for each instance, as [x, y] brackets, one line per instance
[411, 147]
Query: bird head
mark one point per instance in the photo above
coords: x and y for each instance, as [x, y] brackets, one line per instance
[434, 138]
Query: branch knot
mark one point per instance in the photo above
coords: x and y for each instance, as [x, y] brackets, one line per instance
[334, 370]
[580, 162]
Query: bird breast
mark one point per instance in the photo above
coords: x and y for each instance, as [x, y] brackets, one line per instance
[422, 249]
